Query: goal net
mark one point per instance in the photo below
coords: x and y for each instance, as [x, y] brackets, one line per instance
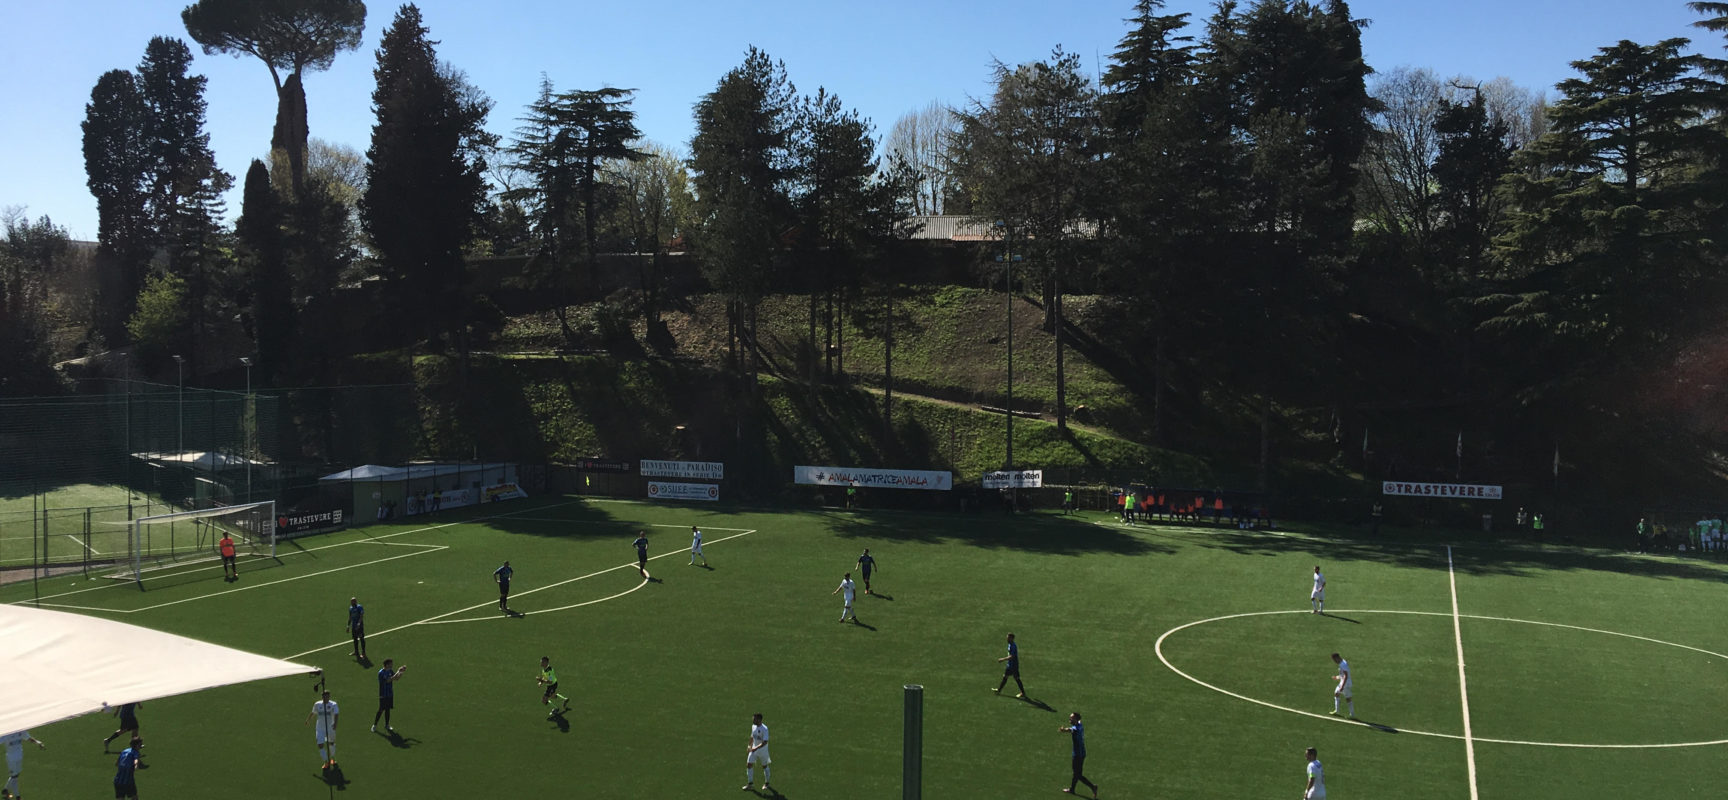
[186, 537]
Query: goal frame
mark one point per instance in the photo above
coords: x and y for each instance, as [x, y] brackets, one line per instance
[137, 535]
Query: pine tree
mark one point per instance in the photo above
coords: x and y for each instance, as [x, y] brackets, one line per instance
[742, 164]
[263, 244]
[117, 162]
[425, 193]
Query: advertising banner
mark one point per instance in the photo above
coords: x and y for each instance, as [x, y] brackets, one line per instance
[934, 480]
[683, 491]
[604, 465]
[503, 491]
[700, 470]
[296, 522]
[1463, 491]
[1014, 479]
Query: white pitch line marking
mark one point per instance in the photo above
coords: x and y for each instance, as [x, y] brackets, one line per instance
[87, 548]
[309, 550]
[1158, 649]
[1463, 686]
[438, 619]
[427, 548]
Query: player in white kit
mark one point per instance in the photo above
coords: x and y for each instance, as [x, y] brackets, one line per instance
[696, 546]
[1346, 686]
[1316, 788]
[323, 721]
[846, 586]
[14, 744]
[758, 753]
[1317, 598]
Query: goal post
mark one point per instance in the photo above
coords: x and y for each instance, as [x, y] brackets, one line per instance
[166, 540]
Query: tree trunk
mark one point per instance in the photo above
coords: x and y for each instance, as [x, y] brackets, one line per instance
[828, 333]
[1265, 442]
[291, 133]
[1061, 375]
[888, 366]
[840, 339]
[815, 346]
[1158, 369]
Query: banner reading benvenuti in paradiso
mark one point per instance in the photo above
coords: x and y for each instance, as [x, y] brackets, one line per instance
[936, 480]
[1462, 491]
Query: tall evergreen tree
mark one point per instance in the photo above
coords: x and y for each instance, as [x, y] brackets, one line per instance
[1032, 165]
[290, 37]
[1609, 241]
[29, 256]
[185, 191]
[263, 244]
[117, 161]
[1474, 154]
[425, 193]
[742, 165]
[834, 166]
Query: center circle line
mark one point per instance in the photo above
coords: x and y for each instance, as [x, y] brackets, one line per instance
[1158, 649]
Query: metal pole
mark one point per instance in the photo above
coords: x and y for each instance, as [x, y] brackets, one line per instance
[180, 415]
[912, 754]
[251, 428]
[1008, 264]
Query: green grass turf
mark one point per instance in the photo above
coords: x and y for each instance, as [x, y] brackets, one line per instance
[21, 541]
[665, 675]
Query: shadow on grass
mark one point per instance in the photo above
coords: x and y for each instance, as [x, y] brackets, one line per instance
[334, 778]
[1036, 703]
[400, 741]
[1471, 557]
[1035, 533]
[1344, 619]
[557, 718]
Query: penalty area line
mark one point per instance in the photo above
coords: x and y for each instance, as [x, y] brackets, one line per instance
[439, 619]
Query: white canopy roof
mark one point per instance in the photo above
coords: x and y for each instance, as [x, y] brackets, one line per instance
[61, 665]
[373, 472]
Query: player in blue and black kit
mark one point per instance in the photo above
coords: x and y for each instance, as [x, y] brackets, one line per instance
[387, 678]
[866, 565]
[502, 576]
[357, 627]
[1079, 733]
[641, 544]
[1011, 669]
[125, 783]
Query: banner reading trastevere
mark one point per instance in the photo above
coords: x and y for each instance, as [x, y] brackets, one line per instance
[705, 470]
[937, 480]
[1466, 491]
[1014, 479]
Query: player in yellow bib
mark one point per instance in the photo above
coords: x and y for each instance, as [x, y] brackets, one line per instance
[549, 679]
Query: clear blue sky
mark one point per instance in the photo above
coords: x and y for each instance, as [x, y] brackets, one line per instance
[883, 58]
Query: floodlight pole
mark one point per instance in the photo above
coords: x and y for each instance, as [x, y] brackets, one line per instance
[912, 753]
[252, 429]
[1008, 258]
[180, 415]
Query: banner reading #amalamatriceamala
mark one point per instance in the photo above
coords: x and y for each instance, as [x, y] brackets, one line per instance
[1466, 491]
[1014, 479]
[935, 480]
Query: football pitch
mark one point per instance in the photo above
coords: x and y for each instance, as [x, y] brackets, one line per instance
[1481, 670]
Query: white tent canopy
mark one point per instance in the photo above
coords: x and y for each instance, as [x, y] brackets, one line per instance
[373, 472]
[62, 665]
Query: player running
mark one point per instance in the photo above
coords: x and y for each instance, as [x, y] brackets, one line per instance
[866, 565]
[323, 720]
[549, 679]
[696, 546]
[758, 753]
[1317, 598]
[1346, 688]
[128, 723]
[641, 544]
